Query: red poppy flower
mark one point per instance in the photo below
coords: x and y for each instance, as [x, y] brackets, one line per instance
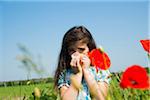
[146, 45]
[99, 59]
[135, 76]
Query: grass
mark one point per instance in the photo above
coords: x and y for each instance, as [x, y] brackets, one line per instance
[117, 93]
[24, 92]
[21, 91]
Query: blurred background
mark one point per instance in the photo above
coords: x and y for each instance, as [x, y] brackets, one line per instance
[31, 33]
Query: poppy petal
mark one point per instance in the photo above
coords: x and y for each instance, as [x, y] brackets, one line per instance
[146, 45]
[99, 59]
[135, 76]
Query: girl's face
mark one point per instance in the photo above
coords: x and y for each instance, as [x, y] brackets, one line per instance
[82, 48]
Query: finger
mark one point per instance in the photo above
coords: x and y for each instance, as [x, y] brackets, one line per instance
[78, 65]
[85, 61]
[74, 55]
[73, 62]
[84, 58]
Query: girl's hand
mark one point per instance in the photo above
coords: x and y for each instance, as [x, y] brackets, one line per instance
[85, 61]
[75, 62]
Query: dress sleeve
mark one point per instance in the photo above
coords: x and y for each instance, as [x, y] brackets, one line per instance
[62, 80]
[103, 76]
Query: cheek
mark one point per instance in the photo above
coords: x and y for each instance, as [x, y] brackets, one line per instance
[86, 51]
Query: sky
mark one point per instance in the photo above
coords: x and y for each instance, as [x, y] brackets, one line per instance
[117, 26]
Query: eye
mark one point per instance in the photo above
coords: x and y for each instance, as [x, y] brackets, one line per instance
[81, 49]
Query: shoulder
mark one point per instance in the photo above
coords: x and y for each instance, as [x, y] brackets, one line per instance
[100, 75]
[103, 72]
[92, 69]
[104, 76]
[64, 78]
[65, 73]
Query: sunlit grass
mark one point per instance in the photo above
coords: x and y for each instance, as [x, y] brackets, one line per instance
[25, 92]
[117, 93]
[22, 90]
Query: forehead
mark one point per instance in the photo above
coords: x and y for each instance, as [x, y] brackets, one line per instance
[80, 44]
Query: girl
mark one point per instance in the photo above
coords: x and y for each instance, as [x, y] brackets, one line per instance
[74, 77]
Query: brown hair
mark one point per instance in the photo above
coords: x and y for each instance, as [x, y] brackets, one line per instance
[73, 35]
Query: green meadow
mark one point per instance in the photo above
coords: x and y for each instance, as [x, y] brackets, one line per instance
[22, 91]
[27, 92]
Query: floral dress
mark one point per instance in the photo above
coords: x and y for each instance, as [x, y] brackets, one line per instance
[84, 93]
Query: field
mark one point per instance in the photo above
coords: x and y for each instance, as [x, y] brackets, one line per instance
[22, 91]
[28, 92]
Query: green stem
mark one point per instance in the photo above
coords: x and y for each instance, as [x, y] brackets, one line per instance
[148, 55]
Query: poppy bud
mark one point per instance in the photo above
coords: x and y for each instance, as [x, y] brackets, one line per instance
[37, 92]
